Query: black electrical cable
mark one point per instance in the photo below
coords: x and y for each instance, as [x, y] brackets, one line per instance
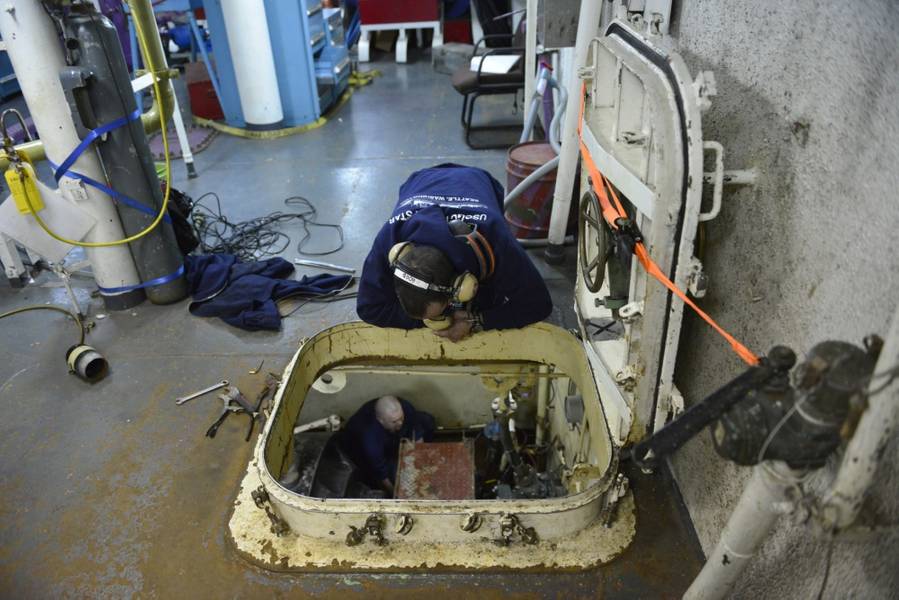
[332, 296]
[256, 238]
[309, 218]
[69, 313]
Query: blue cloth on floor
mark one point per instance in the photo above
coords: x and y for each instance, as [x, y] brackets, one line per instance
[244, 294]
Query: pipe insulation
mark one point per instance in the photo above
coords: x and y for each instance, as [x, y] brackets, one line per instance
[37, 59]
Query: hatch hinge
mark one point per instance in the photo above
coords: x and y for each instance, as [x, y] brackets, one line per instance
[510, 526]
[705, 87]
[697, 280]
[373, 527]
[631, 311]
[261, 499]
[627, 376]
[611, 499]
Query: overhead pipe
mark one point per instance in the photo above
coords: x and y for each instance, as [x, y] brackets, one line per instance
[142, 12]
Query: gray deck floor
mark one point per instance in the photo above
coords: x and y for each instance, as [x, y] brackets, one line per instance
[110, 490]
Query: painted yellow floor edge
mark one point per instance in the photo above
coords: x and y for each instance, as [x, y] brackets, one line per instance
[274, 133]
[249, 530]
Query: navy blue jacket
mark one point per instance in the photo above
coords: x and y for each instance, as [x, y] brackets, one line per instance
[514, 296]
[374, 449]
[244, 294]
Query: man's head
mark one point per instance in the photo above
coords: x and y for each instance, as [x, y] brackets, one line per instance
[389, 413]
[428, 264]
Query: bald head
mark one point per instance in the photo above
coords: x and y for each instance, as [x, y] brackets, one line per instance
[389, 413]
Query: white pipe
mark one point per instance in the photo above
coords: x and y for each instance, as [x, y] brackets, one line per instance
[763, 502]
[842, 502]
[37, 59]
[530, 53]
[254, 63]
[587, 27]
[542, 401]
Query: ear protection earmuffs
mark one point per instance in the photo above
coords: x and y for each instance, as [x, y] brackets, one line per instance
[465, 286]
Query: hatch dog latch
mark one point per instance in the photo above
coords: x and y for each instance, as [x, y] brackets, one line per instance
[510, 526]
[261, 499]
[373, 527]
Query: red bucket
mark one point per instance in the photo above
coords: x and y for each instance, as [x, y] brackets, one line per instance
[528, 215]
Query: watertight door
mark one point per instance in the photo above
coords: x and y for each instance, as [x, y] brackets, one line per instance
[642, 128]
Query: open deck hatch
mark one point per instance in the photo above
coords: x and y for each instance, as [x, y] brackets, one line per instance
[610, 385]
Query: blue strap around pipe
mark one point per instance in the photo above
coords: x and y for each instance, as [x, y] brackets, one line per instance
[117, 196]
[152, 283]
[87, 141]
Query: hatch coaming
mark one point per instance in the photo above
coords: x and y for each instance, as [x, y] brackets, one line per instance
[642, 126]
[362, 344]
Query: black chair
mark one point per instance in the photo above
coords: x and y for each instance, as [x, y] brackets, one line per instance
[474, 84]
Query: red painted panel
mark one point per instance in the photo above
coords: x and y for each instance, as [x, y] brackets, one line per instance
[436, 471]
[375, 12]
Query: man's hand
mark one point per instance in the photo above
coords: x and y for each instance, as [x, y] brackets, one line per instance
[460, 329]
[387, 486]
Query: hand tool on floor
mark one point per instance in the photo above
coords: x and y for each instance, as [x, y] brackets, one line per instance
[203, 392]
[233, 402]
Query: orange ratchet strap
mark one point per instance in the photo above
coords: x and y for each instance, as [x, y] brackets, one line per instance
[612, 210]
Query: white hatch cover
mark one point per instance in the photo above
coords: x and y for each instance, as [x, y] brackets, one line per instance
[642, 128]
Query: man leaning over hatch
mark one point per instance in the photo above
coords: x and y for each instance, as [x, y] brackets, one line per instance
[447, 260]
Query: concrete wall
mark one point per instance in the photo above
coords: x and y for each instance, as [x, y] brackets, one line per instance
[808, 93]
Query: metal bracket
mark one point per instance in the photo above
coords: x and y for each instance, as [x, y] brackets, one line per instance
[705, 87]
[717, 180]
[631, 311]
[261, 499]
[509, 526]
[675, 403]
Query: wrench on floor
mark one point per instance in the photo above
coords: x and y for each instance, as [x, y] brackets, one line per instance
[211, 388]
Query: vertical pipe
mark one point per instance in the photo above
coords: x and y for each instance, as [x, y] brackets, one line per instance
[36, 54]
[254, 63]
[125, 151]
[542, 400]
[842, 502]
[587, 26]
[530, 54]
[759, 508]
[145, 20]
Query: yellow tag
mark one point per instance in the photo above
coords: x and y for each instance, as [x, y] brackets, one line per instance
[24, 184]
